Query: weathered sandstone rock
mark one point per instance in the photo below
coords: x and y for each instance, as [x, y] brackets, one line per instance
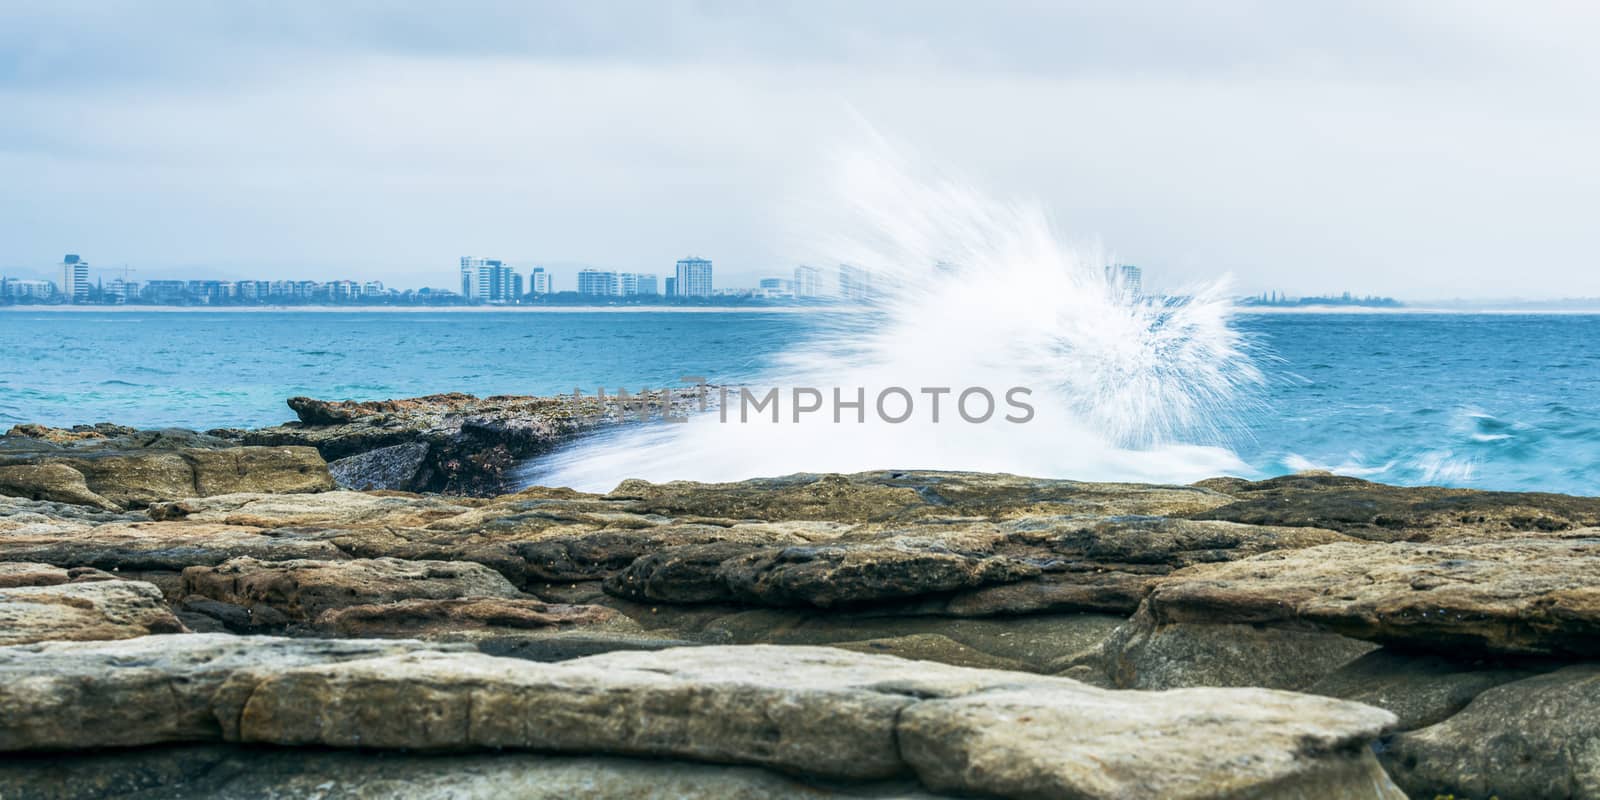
[836, 714]
[1535, 738]
[21, 573]
[223, 772]
[118, 473]
[399, 467]
[55, 482]
[302, 590]
[467, 618]
[886, 496]
[1021, 742]
[1388, 513]
[1035, 641]
[1421, 690]
[1144, 655]
[165, 546]
[977, 568]
[815, 711]
[1528, 595]
[472, 444]
[145, 690]
[337, 509]
[83, 611]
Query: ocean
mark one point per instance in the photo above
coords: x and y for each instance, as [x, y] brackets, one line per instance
[1495, 401]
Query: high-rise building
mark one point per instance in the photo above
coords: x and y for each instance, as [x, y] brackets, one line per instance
[855, 283]
[647, 284]
[538, 281]
[74, 279]
[597, 283]
[806, 280]
[627, 283]
[488, 280]
[671, 286]
[694, 277]
[775, 287]
[1126, 279]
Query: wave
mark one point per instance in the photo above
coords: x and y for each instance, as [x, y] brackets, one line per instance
[960, 291]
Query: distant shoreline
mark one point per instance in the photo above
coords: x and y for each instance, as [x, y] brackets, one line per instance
[837, 309]
[1409, 310]
[83, 309]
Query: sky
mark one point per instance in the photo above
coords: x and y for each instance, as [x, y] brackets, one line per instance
[1414, 148]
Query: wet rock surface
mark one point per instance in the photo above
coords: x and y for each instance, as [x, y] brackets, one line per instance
[892, 633]
[454, 442]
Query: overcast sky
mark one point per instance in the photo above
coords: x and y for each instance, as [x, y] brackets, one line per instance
[1421, 149]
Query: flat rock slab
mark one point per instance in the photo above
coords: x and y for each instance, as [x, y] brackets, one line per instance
[1389, 513]
[166, 546]
[341, 509]
[1534, 738]
[1532, 595]
[110, 477]
[83, 611]
[815, 711]
[978, 568]
[221, 772]
[886, 496]
[146, 690]
[302, 590]
[1422, 690]
[22, 573]
[468, 618]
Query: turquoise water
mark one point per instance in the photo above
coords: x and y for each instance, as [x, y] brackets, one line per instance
[1490, 401]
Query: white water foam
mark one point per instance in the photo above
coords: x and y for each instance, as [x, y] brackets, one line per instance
[966, 292]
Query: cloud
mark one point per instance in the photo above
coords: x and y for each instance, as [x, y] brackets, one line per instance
[1407, 148]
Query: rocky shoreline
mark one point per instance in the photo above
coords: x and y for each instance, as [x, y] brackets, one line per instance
[221, 615]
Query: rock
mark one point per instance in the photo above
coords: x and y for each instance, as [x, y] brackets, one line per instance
[1528, 595]
[55, 482]
[564, 645]
[303, 590]
[1421, 690]
[466, 618]
[159, 546]
[133, 473]
[835, 714]
[22, 573]
[886, 496]
[1000, 496]
[1388, 513]
[221, 772]
[977, 568]
[1534, 738]
[83, 611]
[473, 444]
[1034, 642]
[818, 575]
[399, 466]
[931, 647]
[815, 711]
[835, 498]
[1093, 743]
[337, 509]
[146, 690]
[23, 517]
[1145, 655]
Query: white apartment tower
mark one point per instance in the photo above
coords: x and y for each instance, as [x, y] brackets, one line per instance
[74, 279]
